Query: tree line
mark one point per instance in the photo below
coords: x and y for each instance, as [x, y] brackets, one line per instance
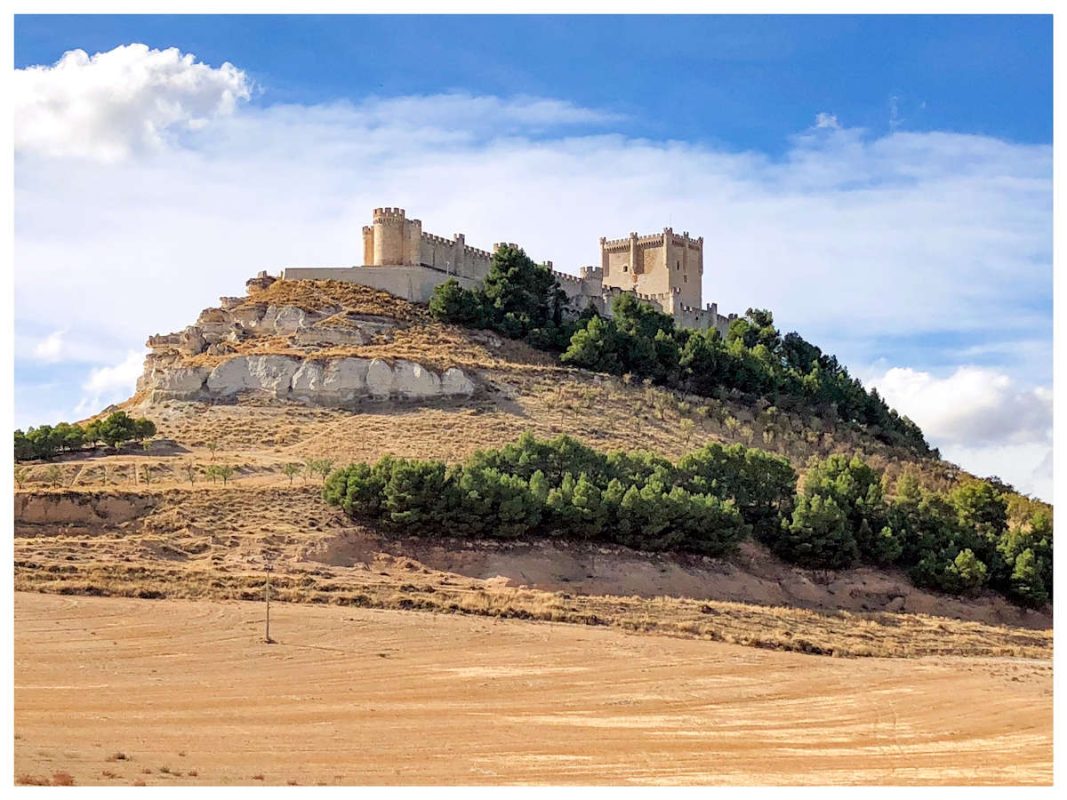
[562, 488]
[523, 300]
[48, 441]
[959, 541]
[707, 503]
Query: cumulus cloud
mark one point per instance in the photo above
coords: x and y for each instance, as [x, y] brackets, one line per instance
[972, 406]
[110, 384]
[1027, 467]
[127, 100]
[982, 419]
[849, 239]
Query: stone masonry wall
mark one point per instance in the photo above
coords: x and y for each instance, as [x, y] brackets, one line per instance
[665, 269]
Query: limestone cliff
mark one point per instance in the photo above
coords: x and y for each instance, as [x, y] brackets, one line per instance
[294, 346]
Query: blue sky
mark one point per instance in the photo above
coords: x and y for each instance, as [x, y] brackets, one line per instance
[744, 81]
[883, 184]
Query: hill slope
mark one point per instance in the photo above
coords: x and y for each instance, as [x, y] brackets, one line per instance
[302, 370]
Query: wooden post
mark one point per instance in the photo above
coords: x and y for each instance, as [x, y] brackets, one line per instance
[268, 568]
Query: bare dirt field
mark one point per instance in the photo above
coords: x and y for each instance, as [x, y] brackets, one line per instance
[117, 691]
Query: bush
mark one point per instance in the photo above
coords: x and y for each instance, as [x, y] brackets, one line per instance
[762, 485]
[818, 535]
[966, 574]
[1028, 584]
[557, 487]
[849, 521]
[452, 303]
[753, 359]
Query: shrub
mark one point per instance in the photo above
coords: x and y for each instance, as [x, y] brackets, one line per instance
[753, 359]
[452, 303]
[762, 485]
[967, 574]
[1028, 579]
[518, 298]
[290, 471]
[557, 487]
[707, 503]
[818, 535]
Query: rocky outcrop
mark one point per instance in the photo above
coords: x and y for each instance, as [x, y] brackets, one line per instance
[221, 335]
[259, 283]
[329, 337]
[167, 378]
[272, 374]
[217, 328]
[340, 382]
[455, 382]
[192, 341]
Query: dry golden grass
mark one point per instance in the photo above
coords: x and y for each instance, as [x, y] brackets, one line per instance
[205, 540]
[148, 524]
[840, 634]
[524, 390]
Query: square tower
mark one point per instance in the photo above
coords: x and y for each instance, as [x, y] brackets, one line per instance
[659, 264]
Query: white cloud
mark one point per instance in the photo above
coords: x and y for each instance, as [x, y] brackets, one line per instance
[50, 348]
[127, 100]
[110, 384]
[466, 112]
[847, 239]
[972, 406]
[981, 419]
[826, 120]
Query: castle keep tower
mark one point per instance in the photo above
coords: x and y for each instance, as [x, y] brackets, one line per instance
[660, 264]
[392, 239]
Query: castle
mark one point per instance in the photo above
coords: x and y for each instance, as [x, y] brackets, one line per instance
[663, 269]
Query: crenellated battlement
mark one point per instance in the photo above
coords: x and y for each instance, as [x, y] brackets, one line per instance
[435, 239]
[389, 215]
[650, 239]
[663, 269]
[567, 278]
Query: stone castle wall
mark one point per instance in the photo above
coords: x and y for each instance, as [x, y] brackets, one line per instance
[392, 240]
[664, 269]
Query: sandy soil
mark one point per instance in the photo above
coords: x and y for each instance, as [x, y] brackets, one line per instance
[187, 693]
